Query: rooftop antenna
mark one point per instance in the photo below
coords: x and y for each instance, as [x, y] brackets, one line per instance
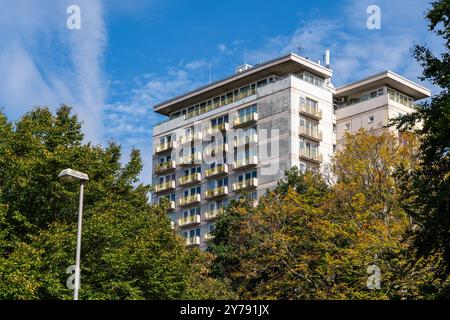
[299, 49]
[327, 58]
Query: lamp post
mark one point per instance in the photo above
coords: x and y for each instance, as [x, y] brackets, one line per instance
[70, 175]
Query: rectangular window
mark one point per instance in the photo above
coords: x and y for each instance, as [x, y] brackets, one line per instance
[370, 120]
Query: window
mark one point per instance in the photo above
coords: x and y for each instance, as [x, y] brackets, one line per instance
[170, 197]
[191, 212]
[211, 227]
[192, 191]
[218, 183]
[334, 127]
[191, 233]
[190, 171]
[247, 175]
[348, 126]
[371, 119]
[247, 112]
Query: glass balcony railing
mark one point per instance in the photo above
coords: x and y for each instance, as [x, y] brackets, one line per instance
[189, 200]
[310, 111]
[310, 154]
[165, 167]
[192, 178]
[197, 136]
[190, 220]
[245, 162]
[246, 139]
[246, 119]
[191, 159]
[217, 170]
[245, 184]
[193, 241]
[167, 146]
[216, 192]
[212, 214]
[212, 130]
[165, 186]
[312, 133]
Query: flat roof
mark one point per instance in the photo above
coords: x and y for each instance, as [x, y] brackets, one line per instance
[281, 66]
[388, 78]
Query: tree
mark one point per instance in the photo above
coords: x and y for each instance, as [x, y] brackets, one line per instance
[429, 183]
[310, 240]
[129, 250]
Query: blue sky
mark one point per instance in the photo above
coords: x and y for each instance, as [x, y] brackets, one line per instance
[132, 54]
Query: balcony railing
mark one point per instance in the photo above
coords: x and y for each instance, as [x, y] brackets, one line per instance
[190, 179]
[216, 192]
[191, 159]
[165, 167]
[216, 171]
[245, 184]
[171, 205]
[189, 220]
[165, 186]
[246, 139]
[212, 214]
[212, 130]
[310, 111]
[246, 119]
[312, 156]
[193, 241]
[246, 162]
[197, 136]
[190, 200]
[164, 147]
[310, 133]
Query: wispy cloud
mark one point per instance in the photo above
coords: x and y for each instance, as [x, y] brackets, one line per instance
[44, 63]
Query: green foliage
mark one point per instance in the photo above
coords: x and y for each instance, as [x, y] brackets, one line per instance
[129, 250]
[310, 240]
[428, 185]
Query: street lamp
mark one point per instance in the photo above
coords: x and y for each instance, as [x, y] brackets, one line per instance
[70, 175]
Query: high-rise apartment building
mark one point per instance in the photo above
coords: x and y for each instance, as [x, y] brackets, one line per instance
[237, 136]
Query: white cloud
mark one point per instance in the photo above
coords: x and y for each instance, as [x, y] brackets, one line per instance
[44, 63]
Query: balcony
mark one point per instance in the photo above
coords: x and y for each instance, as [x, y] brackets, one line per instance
[197, 136]
[245, 184]
[312, 112]
[212, 214]
[245, 163]
[165, 167]
[193, 241]
[246, 139]
[190, 200]
[165, 186]
[217, 171]
[190, 179]
[216, 192]
[247, 119]
[312, 134]
[191, 159]
[220, 128]
[171, 205]
[315, 157]
[189, 221]
[165, 147]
